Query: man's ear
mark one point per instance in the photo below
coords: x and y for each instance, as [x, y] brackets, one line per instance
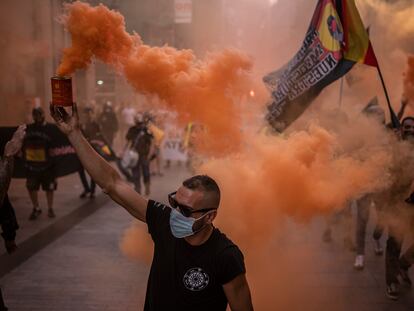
[210, 217]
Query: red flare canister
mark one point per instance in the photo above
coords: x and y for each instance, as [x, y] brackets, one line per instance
[62, 91]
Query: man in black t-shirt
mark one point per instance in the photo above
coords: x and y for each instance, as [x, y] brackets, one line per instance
[195, 266]
[92, 132]
[39, 166]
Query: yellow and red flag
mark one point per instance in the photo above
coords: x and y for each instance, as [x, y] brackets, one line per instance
[336, 39]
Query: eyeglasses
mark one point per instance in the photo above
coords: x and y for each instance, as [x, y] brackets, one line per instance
[184, 209]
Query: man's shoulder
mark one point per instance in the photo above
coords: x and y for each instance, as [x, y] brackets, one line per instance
[223, 243]
[156, 204]
[156, 210]
[157, 219]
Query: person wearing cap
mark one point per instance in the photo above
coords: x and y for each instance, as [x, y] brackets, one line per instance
[195, 266]
[40, 169]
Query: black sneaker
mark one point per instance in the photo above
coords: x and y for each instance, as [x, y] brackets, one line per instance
[405, 277]
[392, 291]
[35, 213]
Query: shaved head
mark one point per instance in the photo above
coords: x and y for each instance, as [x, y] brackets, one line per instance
[208, 186]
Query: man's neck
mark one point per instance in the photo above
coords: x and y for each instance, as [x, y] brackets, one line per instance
[200, 237]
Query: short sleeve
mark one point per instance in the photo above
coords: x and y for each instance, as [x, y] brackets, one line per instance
[157, 218]
[230, 264]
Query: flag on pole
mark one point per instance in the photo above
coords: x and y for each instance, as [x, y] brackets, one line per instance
[336, 40]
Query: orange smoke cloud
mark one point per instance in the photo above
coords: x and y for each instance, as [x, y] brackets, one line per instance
[136, 243]
[409, 80]
[300, 177]
[201, 91]
[95, 32]
[295, 177]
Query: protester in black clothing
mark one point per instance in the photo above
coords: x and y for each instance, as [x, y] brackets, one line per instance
[39, 166]
[195, 267]
[92, 131]
[373, 111]
[88, 188]
[401, 214]
[8, 224]
[141, 139]
[108, 122]
[8, 220]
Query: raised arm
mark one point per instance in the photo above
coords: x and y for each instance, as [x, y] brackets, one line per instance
[99, 169]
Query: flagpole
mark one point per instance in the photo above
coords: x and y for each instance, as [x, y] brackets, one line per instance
[341, 88]
[394, 119]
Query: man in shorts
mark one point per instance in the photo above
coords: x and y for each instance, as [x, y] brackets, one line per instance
[39, 167]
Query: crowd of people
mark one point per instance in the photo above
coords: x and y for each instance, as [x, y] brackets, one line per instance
[140, 131]
[123, 132]
[194, 205]
[393, 206]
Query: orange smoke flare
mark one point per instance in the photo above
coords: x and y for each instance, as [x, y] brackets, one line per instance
[96, 32]
[201, 91]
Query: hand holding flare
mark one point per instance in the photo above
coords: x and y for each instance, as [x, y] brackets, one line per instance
[66, 123]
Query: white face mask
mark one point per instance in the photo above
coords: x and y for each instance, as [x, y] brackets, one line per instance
[182, 226]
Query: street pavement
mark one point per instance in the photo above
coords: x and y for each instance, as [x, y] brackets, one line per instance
[83, 268]
[66, 200]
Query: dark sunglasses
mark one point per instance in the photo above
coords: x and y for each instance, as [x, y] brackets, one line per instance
[184, 209]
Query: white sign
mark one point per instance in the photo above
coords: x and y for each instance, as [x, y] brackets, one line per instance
[172, 147]
[183, 11]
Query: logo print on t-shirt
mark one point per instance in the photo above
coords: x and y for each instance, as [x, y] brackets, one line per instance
[196, 279]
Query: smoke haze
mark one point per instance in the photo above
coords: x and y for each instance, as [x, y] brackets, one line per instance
[409, 80]
[328, 158]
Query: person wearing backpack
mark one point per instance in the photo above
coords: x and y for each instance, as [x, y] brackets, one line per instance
[141, 140]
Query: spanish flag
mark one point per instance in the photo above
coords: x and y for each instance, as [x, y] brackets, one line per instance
[335, 41]
[357, 46]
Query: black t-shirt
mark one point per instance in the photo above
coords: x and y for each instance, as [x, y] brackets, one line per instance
[185, 277]
[141, 140]
[36, 146]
